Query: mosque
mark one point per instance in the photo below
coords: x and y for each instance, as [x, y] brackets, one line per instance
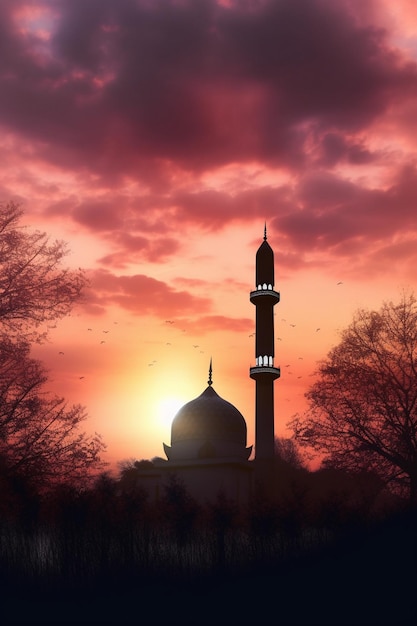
[208, 452]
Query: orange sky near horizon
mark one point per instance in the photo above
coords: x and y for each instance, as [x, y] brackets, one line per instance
[158, 138]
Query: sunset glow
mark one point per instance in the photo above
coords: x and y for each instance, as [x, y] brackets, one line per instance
[167, 409]
[158, 138]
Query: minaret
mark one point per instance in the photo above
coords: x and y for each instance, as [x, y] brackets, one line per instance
[264, 373]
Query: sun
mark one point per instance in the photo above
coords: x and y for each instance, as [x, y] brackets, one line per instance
[167, 408]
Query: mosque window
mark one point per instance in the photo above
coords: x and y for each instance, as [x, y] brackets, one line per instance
[264, 361]
[264, 286]
[270, 287]
[259, 287]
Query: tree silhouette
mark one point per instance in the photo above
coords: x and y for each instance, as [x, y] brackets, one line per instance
[34, 286]
[363, 405]
[287, 450]
[39, 433]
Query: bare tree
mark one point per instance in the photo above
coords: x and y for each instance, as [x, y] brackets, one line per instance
[39, 433]
[34, 287]
[363, 405]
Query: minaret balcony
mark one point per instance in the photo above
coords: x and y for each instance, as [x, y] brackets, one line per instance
[265, 365]
[264, 293]
[265, 372]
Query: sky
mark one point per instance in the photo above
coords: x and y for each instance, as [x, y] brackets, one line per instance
[158, 137]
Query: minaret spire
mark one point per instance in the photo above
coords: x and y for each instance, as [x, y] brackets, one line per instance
[264, 297]
[210, 380]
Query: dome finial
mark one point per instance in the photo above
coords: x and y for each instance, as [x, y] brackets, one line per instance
[265, 232]
[210, 380]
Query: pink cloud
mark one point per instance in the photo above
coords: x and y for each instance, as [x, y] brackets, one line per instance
[141, 295]
[202, 324]
[135, 248]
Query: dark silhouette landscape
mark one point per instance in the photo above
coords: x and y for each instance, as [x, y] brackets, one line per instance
[327, 548]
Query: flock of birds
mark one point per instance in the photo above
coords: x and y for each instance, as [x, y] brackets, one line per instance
[168, 343]
[300, 358]
[62, 353]
[195, 346]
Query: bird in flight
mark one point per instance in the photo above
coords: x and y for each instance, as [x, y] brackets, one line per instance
[105, 331]
[194, 346]
[81, 377]
[102, 342]
[89, 329]
[60, 352]
[340, 282]
[169, 321]
[293, 325]
[317, 329]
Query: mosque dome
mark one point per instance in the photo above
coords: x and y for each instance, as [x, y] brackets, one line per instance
[208, 426]
[209, 417]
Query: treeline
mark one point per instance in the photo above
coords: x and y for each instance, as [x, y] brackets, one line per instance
[112, 533]
[314, 531]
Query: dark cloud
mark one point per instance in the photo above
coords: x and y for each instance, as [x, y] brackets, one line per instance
[321, 63]
[336, 148]
[115, 211]
[149, 223]
[123, 83]
[211, 209]
[334, 216]
[139, 100]
[321, 191]
[321, 211]
[101, 215]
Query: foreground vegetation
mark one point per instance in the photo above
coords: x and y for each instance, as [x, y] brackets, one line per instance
[313, 555]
